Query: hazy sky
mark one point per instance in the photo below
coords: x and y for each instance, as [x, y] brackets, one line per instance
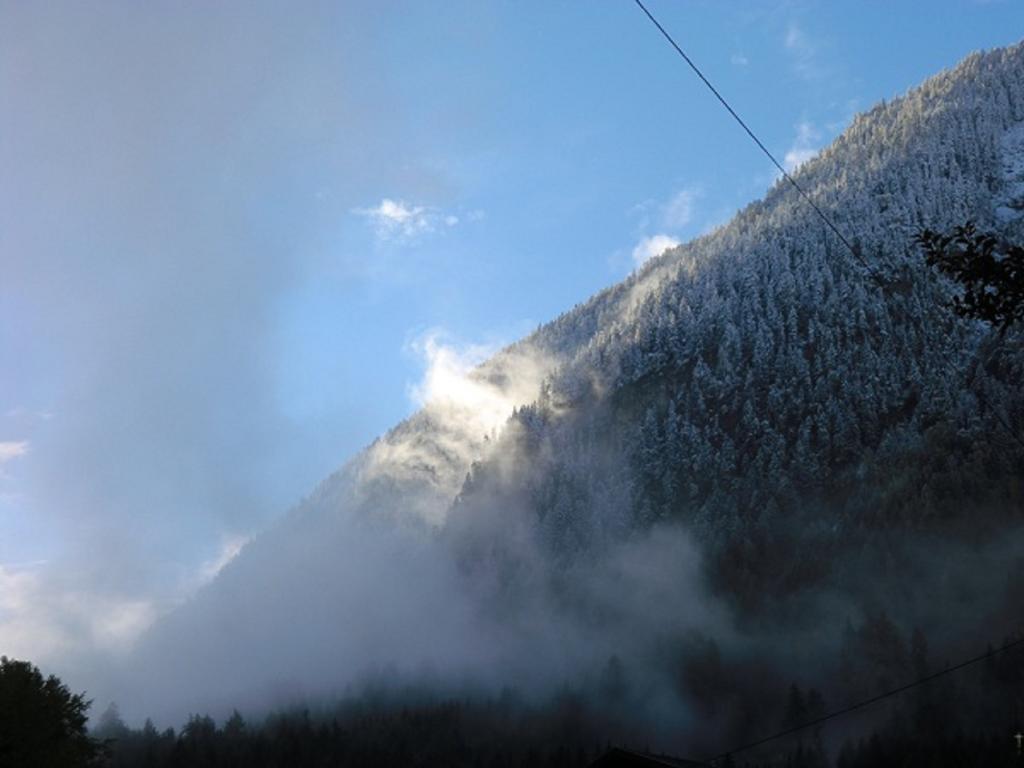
[226, 228]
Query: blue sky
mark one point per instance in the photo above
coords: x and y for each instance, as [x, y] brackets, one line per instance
[225, 231]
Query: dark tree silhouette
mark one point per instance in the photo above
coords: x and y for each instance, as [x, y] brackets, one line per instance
[990, 272]
[42, 724]
[110, 726]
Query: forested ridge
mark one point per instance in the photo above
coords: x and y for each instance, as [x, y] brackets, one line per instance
[969, 720]
[760, 376]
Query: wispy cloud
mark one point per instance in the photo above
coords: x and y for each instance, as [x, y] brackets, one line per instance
[229, 549]
[678, 211]
[464, 405]
[47, 609]
[661, 223]
[446, 377]
[804, 53]
[673, 213]
[397, 220]
[12, 450]
[22, 414]
[795, 38]
[739, 60]
[804, 146]
[652, 246]
[45, 615]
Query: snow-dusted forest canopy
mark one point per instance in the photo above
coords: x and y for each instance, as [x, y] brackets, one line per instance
[760, 375]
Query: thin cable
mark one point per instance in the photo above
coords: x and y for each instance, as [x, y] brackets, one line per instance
[867, 702]
[828, 222]
[752, 135]
[981, 397]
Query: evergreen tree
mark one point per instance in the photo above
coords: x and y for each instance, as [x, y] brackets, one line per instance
[42, 723]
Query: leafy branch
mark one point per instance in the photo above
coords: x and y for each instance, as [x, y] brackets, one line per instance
[989, 271]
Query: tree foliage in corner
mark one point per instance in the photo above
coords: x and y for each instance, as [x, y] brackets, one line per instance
[42, 724]
[990, 272]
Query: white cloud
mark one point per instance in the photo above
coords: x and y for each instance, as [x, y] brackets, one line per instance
[652, 246]
[229, 549]
[447, 380]
[12, 450]
[465, 404]
[46, 613]
[25, 633]
[668, 219]
[44, 616]
[25, 415]
[398, 220]
[678, 211]
[795, 38]
[739, 60]
[804, 147]
[804, 53]
[120, 623]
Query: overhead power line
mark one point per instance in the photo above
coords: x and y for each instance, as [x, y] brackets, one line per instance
[800, 190]
[873, 700]
[853, 252]
[785, 174]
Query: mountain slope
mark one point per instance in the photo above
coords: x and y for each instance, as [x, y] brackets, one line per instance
[764, 389]
[741, 425]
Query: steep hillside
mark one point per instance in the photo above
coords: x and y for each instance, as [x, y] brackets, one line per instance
[759, 381]
[751, 428]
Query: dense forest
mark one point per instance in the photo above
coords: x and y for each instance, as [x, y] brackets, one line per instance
[966, 718]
